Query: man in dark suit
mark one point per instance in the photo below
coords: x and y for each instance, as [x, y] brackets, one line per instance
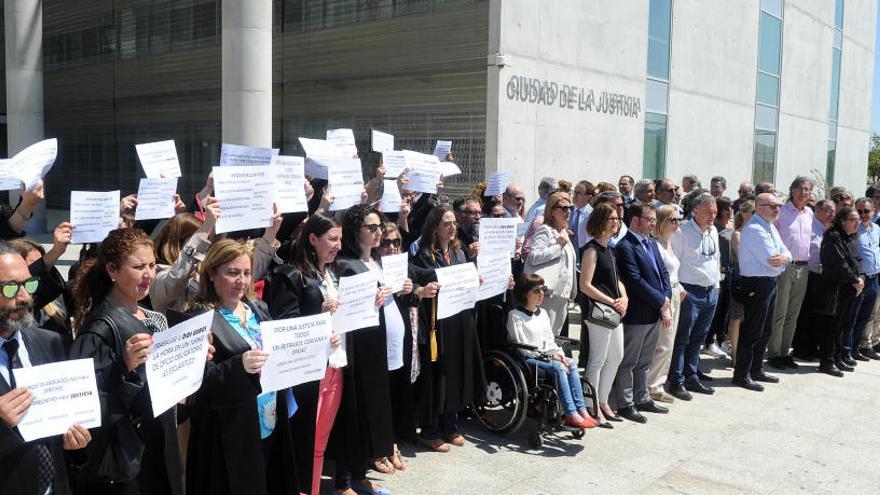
[36, 467]
[644, 275]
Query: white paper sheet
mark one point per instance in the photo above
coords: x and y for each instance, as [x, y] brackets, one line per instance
[93, 215]
[449, 169]
[344, 140]
[346, 183]
[495, 269]
[176, 363]
[289, 181]
[458, 289]
[497, 183]
[381, 141]
[498, 235]
[320, 155]
[238, 155]
[442, 149]
[65, 394]
[35, 161]
[9, 177]
[159, 159]
[245, 196]
[155, 198]
[298, 350]
[423, 172]
[395, 163]
[357, 298]
[390, 202]
[395, 270]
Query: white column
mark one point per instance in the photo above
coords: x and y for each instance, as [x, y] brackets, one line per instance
[24, 85]
[247, 72]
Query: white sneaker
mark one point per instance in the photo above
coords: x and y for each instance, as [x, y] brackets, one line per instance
[726, 347]
[715, 351]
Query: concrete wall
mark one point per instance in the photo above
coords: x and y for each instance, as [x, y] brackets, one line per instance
[598, 46]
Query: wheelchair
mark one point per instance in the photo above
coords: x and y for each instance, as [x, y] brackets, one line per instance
[516, 390]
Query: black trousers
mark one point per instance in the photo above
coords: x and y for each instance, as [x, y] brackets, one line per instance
[829, 336]
[719, 322]
[809, 322]
[760, 304]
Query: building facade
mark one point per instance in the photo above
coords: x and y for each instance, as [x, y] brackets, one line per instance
[752, 89]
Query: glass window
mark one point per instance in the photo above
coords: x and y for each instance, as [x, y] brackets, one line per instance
[659, 27]
[832, 130]
[160, 32]
[655, 96]
[406, 7]
[765, 118]
[770, 44]
[768, 89]
[293, 15]
[143, 32]
[829, 164]
[765, 157]
[204, 21]
[838, 14]
[181, 28]
[89, 43]
[654, 165]
[127, 34]
[772, 7]
[838, 39]
[835, 84]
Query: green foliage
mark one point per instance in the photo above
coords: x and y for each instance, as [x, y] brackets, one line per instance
[874, 159]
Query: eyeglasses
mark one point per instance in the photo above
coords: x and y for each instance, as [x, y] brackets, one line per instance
[450, 224]
[564, 208]
[651, 220]
[471, 212]
[865, 211]
[707, 245]
[497, 215]
[390, 242]
[772, 206]
[519, 199]
[10, 289]
[539, 290]
[613, 219]
[675, 220]
[373, 227]
[623, 185]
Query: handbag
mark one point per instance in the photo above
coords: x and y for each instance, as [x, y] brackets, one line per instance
[115, 454]
[602, 314]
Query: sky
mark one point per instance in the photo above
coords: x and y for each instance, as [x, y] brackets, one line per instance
[875, 105]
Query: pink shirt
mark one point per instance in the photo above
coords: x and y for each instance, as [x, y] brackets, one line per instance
[795, 227]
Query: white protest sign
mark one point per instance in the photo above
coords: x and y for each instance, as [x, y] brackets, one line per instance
[448, 169]
[9, 178]
[394, 162]
[497, 183]
[390, 202]
[357, 298]
[395, 270]
[238, 155]
[159, 159]
[495, 270]
[297, 351]
[381, 141]
[346, 183]
[423, 172]
[320, 155]
[245, 196]
[35, 161]
[289, 181]
[65, 394]
[176, 363]
[344, 140]
[155, 198]
[498, 235]
[458, 289]
[93, 215]
[442, 149]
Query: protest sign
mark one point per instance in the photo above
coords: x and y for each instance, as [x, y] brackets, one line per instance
[245, 195]
[176, 363]
[155, 198]
[159, 159]
[458, 289]
[357, 298]
[297, 351]
[93, 215]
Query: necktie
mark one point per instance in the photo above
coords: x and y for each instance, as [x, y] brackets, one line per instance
[575, 221]
[653, 260]
[11, 348]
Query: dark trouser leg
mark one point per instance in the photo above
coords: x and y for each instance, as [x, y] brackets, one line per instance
[760, 295]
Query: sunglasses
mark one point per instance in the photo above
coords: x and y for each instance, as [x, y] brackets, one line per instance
[373, 227]
[564, 208]
[10, 289]
[675, 220]
[865, 212]
[540, 289]
[390, 242]
[498, 215]
[446, 225]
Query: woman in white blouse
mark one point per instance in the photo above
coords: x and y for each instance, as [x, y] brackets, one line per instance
[668, 218]
[553, 257]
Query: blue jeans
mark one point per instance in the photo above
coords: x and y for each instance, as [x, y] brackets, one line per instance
[697, 312]
[568, 384]
[862, 314]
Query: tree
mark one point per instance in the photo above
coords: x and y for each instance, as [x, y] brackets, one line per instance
[874, 159]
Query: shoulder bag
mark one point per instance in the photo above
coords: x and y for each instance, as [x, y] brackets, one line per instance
[602, 314]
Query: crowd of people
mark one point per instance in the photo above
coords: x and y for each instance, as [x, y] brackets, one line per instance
[660, 275]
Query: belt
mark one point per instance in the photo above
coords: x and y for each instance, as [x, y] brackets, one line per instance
[707, 288]
[799, 263]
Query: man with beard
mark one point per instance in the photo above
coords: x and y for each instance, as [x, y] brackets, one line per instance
[39, 466]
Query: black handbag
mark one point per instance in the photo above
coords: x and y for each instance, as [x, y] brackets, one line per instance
[115, 454]
[602, 314]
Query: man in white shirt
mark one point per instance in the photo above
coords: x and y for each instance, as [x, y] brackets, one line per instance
[696, 246]
[545, 187]
[513, 200]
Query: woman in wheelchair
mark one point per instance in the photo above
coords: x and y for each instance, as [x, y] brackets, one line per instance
[528, 324]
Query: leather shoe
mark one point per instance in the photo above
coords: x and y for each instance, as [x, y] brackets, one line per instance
[849, 361]
[703, 376]
[632, 414]
[678, 391]
[870, 353]
[803, 357]
[789, 363]
[830, 369]
[843, 366]
[858, 356]
[697, 387]
[764, 377]
[651, 407]
[777, 363]
[748, 384]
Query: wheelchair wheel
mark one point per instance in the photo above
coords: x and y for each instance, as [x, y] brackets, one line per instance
[503, 405]
[535, 440]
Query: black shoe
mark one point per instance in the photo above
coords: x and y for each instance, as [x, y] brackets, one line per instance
[830, 369]
[697, 387]
[870, 353]
[764, 377]
[789, 363]
[678, 391]
[858, 356]
[778, 363]
[615, 419]
[849, 361]
[843, 366]
[703, 376]
[877, 348]
[632, 414]
[748, 384]
[804, 357]
[606, 425]
[651, 407]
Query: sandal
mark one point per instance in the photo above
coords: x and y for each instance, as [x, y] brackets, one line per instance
[383, 465]
[396, 460]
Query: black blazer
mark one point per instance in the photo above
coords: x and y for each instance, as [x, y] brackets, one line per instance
[19, 459]
[647, 292]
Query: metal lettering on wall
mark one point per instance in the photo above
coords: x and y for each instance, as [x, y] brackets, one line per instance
[550, 93]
